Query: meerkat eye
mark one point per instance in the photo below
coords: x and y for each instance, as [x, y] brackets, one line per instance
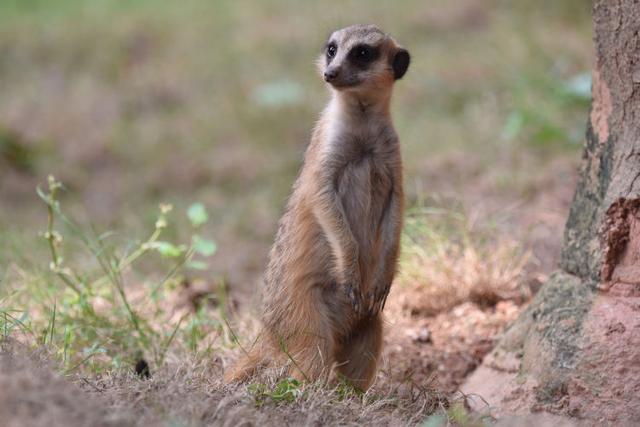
[363, 53]
[331, 50]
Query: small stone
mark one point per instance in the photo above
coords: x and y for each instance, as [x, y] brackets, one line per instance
[424, 336]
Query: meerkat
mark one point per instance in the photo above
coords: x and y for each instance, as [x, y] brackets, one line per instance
[337, 245]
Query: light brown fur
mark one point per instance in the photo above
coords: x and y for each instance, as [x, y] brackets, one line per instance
[337, 245]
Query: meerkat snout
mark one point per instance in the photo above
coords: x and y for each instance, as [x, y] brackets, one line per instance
[330, 74]
[362, 56]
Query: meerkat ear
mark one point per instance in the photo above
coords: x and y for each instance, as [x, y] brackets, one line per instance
[400, 63]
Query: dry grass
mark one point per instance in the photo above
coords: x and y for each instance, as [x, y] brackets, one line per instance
[445, 265]
[31, 394]
[190, 392]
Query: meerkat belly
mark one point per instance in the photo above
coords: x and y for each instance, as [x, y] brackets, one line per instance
[364, 189]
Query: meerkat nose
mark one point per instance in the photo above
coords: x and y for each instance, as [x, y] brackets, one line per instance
[330, 74]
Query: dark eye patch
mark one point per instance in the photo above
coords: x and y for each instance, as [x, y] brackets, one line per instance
[363, 54]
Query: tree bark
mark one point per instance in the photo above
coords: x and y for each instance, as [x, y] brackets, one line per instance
[576, 349]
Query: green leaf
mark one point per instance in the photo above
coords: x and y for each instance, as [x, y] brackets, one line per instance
[286, 390]
[197, 214]
[197, 265]
[513, 125]
[204, 247]
[169, 250]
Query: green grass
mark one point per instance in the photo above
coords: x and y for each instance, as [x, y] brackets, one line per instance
[286, 390]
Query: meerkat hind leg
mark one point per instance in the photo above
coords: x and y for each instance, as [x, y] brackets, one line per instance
[310, 347]
[357, 357]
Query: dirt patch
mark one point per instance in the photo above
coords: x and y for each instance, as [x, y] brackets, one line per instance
[430, 340]
[444, 348]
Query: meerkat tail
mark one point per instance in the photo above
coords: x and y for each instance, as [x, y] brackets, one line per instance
[245, 367]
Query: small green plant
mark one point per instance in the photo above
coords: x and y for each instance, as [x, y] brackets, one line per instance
[458, 415]
[289, 390]
[98, 318]
[345, 390]
[286, 390]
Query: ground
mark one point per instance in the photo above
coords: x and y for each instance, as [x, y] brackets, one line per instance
[429, 351]
[208, 108]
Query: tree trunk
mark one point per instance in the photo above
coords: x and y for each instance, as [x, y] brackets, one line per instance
[576, 349]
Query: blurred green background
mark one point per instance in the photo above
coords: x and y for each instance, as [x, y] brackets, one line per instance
[133, 103]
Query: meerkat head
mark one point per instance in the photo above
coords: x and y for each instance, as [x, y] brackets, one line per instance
[361, 59]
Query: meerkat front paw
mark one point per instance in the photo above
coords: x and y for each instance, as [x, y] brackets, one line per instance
[375, 301]
[354, 297]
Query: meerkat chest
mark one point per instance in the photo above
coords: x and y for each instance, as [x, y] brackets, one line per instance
[366, 153]
[366, 177]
